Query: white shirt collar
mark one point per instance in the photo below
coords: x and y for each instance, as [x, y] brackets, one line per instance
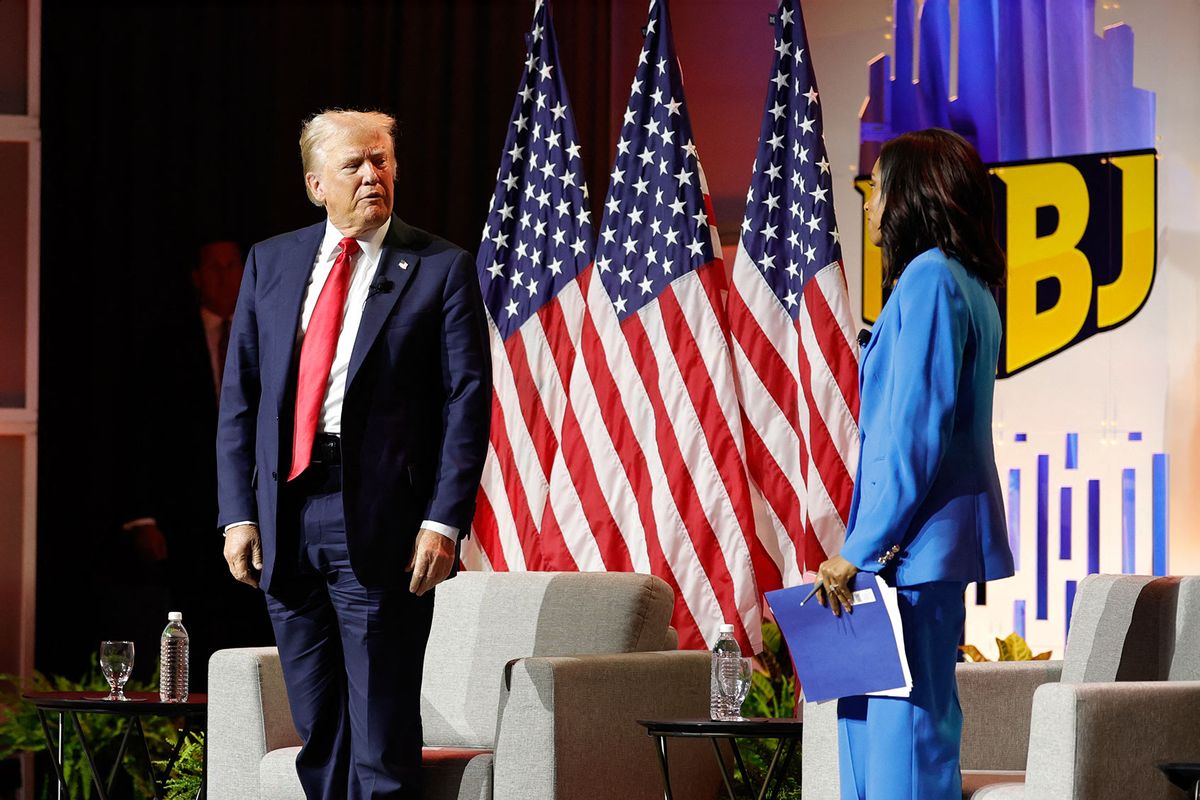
[371, 244]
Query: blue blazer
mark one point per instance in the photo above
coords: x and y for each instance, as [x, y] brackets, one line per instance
[416, 411]
[927, 492]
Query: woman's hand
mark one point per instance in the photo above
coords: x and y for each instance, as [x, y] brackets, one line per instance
[835, 576]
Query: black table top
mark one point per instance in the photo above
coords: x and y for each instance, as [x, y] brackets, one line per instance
[1183, 774]
[756, 726]
[139, 704]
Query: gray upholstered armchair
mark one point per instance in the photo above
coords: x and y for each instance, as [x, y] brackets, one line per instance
[533, 684]
[1098, 732]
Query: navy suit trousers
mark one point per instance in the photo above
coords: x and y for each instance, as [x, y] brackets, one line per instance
[352, 657]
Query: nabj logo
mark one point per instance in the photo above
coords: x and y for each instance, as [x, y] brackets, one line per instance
[1069, 140]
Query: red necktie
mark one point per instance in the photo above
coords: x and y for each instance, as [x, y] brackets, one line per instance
[316, 356]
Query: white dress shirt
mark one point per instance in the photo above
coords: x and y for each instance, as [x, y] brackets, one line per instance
[362, 272]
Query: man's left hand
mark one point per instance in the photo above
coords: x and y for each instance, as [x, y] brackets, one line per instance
[432, 560]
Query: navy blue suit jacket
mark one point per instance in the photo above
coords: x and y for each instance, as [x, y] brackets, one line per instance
[416, 410]
[927, 482]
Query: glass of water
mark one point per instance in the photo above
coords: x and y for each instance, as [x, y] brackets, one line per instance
[734, 684]
[116, 662]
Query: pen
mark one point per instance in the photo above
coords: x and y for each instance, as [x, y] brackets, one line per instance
[816, 586]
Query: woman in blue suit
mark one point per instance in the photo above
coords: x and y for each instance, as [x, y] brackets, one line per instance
[927, 511]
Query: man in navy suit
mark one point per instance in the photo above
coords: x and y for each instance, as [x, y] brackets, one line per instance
[352, 433]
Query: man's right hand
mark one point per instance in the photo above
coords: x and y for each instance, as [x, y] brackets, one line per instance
[243, 553]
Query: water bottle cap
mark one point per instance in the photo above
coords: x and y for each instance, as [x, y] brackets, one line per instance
[726, 628]
[175, 616]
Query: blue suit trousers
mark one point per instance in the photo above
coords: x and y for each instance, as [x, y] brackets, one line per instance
[908, 748]
[352, 659]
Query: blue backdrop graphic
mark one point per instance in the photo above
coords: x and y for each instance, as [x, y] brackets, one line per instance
[1034, 81]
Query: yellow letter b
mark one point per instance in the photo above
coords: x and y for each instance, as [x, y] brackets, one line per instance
[1033, 335]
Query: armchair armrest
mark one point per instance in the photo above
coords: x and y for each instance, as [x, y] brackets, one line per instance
[248, 716]
[819, 751]
[1101, 741]
[568, 727]
[997, 702]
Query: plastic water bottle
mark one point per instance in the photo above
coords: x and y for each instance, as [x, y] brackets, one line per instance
[173, 663]
[725, 650]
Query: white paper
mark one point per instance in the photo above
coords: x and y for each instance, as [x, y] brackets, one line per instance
[888, 595]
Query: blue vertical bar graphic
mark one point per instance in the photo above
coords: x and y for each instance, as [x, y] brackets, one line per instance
[933, 63]
[1011, 92]
[1019, 617]
[1072, 451]
[1014, 515]
[1160, 486]
[1036, 75]
[1070, 604]
[1043, 536]
[1069, 34]
[977, 99]
[904, 108]
[1093, 523]
[1128, 521]
[1064, 524]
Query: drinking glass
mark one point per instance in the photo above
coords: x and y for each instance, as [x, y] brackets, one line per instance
[116, 662]
[733, 682]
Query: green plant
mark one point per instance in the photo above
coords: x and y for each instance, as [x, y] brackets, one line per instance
[188, 772]
[1011, 648]
[21, 732]
[772, 694]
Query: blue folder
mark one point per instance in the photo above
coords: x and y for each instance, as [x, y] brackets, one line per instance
[842, 656]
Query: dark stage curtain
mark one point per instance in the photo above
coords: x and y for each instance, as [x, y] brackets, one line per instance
[169, 124]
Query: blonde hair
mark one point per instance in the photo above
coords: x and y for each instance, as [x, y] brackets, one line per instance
[318, 129]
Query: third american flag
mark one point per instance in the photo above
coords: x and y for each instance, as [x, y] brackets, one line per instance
[789, 314]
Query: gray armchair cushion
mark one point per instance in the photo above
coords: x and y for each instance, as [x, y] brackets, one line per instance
[998, 791]
[277, 776]
[1101, 741]
[453, 773]
[450, 774]
[570, 728]
[997, 703]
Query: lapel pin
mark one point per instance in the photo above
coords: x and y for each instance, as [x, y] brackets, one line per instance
[403, 264]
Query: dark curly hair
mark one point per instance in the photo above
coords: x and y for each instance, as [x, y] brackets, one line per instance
[936, 193]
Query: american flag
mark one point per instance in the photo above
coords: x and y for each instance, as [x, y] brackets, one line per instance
[537, 238]
[656, 474]
[789, 313]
